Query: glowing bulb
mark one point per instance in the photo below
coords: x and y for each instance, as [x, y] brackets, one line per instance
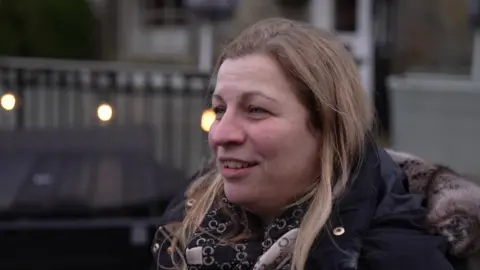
[8, 102]
[105, 112]
[208, 117]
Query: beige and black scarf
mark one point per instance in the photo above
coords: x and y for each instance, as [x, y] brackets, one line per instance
[262, 247]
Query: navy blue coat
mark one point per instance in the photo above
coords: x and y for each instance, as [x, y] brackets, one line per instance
[384, 225]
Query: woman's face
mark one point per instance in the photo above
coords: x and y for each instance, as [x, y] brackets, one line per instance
[262, 144]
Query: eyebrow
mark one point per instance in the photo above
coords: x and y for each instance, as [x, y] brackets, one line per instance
[246, 96]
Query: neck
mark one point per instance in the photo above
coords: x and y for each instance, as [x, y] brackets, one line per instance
[266, 220]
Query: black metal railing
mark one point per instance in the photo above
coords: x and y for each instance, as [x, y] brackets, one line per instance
[67, 96]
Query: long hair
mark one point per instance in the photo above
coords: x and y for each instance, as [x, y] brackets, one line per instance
[327, 83]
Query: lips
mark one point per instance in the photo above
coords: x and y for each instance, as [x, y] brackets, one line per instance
[232, 164]
[235, 168]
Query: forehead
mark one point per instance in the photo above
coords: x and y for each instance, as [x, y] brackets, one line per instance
[252, 73]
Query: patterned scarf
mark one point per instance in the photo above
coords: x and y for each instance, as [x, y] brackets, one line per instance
[250, 245]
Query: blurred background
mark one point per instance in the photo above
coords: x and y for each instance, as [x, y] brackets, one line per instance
[104, 107]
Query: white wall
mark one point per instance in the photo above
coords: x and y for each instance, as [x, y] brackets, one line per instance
[361, 43]
[136, 41]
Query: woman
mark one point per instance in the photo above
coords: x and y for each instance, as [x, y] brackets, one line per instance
[298, 183]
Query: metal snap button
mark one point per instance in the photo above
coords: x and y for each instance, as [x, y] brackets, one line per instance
[338, 231]
[155, 248]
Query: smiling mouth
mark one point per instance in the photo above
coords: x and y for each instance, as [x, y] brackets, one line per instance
[236, 165]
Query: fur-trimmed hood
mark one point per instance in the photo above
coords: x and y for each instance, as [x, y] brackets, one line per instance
[453, 201]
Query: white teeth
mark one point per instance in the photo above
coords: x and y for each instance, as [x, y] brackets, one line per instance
[235, 165]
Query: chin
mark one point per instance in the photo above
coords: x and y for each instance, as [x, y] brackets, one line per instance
[237, 195]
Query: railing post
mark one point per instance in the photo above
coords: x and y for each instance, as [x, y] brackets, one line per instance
[20, 110]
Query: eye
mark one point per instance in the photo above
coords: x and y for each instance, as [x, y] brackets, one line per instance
[256, 110]
[257, 113]
[219, 111]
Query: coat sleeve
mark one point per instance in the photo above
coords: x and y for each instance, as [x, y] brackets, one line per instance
[398, 237]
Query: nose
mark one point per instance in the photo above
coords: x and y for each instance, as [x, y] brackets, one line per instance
[227, 131]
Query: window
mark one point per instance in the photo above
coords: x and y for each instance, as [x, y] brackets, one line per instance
[346, 15]
[163, 12]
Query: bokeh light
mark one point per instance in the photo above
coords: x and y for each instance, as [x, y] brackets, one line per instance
[8, 101]
[105, 112]
[208, 117]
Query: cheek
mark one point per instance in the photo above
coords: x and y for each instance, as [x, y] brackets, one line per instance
[286, 144]
[269, 141]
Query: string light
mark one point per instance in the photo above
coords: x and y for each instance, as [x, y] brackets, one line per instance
[8, 101]
[105, 112]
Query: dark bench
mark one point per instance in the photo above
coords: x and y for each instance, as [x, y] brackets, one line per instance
[81, 198]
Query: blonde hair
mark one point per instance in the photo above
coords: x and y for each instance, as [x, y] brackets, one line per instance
[328, 85]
